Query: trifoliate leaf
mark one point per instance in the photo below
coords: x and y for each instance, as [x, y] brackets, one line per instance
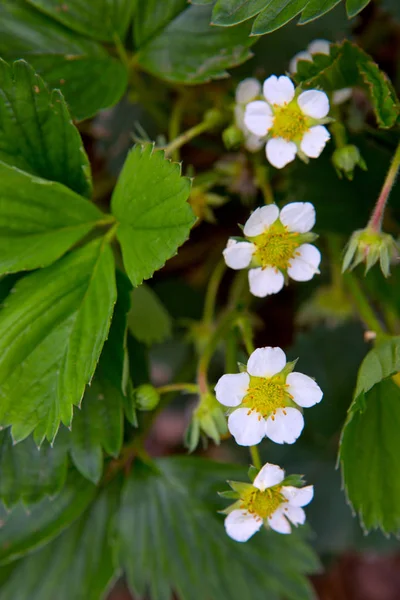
[89, 78]
[23, 531]
[176, 42]
[29, 473]
[179, 537]
[150, 203]
[39, 220]
[37, 134]
[52, 329]
[348, 66]
[98, 19]
[148, 320]
[78, 564]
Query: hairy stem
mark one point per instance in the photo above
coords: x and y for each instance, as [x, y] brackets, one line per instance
[212, 291]
[375, 222]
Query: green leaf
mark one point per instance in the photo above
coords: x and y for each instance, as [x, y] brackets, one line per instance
[353, 7]
[39, 220]
[369, 456]
[317, 8]
[88, 76]
[77, 565]
[148, 320]
[349, 66]
[276, 14]
[381, 362]
[179, 537]
[99, 423]
[29, 473]
[177, 43]
[37, 134]
[150, 201]
[22, 531]
[98, 19]
[232, 12]
[52, 330]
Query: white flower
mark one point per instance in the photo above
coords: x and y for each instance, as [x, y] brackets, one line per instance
[267, 398]
[276, 247]
[267, 502]
[290, 121]
[246, 91]
[320, 47]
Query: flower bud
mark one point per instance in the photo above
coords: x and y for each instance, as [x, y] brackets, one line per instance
[232, 137]
[147, 397]
[208, 419]
[346, 159]
[369, 246]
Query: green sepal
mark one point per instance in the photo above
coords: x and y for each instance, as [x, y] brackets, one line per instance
[229, 494]
[239, 486]
[242, 368]
[289, 368]
[294, 480]
[252, 472]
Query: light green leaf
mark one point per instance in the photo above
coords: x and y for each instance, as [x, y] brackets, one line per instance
[178, 537]
[98, 19]
[90, 79]
[99, 423]
[150, 202]
[353, 7]
[148, 320]
[381, 362]
[36, 133]
[349, 66]
[177, 42]
[22, 531]
[28, 473]
[369, 456]
[39, 220]
[52, 329]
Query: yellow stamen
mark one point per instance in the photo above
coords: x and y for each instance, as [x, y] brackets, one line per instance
[263, 504]
[290, 123]
[266, 395]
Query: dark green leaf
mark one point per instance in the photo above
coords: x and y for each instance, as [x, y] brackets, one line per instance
[353, 7]
[150, 203]
[24, 531]
[77, 565]
[231, 12]
[317, 8]
[28, 473]
[369, 456]
[381, 362]
[276, 14]
[52, 330]
[181, 45]
[149, 320]
[179, 537]
[36, 132]
[98, 19]
[349, 66]
[39, 220]
[88, 76]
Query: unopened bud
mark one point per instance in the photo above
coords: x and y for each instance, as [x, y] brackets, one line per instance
[232, 137]
[346, 159]
[147, 397]
[368, 246]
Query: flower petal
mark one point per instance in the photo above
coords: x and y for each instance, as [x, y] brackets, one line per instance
[238, 255]
[240, 525]
[314, 141]
[280, 152]
[260, 220]
[266, 362]
[264, 282]
[298, 496]
[314, 103]
[297, 58]
[295, 514]
[319, 47]
[284, 426]
[247, 90]
[231, 389]
[341, 96]
[269, 476]
[278, 523]
[258, 117]
[305, 391]
[298, 216]
[248, 428]
[278, 90]
[305, 263]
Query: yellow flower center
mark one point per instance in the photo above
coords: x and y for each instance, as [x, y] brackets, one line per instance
[276, 247]
[266, 395]
[263, 504]
[289, 122]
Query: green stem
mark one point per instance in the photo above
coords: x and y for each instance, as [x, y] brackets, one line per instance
[247, 335]
[375, 222]
[363, 306]
[188, 135]
[212, 291]
[191, 388]
[175, 124]
[263, 182]
[122, 53]
[255, 457]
